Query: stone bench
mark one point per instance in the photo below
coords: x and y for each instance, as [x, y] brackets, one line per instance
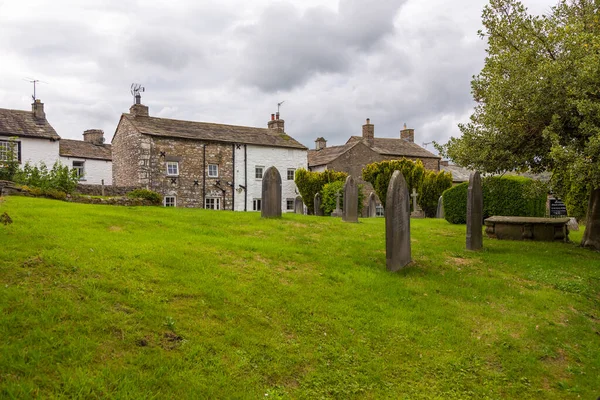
[527, 228]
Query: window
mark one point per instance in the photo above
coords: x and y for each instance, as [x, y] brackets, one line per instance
[379, 211]
[290, 174]
[173, 168]
[256, 203]
[212, 203]
[78, 167]
[213, 170]
[8, 148]
[289, 204]
[258, 172]
[170, 201]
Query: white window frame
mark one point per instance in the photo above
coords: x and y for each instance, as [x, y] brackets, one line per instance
[379, 211]
[80, 169]
[262, 171]
[293, 171]
[172, 164]
[170, 201]
[5, 150]
[256, 204]
[216, 168]
[289, 204]
[216, 203]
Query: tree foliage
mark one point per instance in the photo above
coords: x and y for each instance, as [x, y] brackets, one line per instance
[432, 187]
[379, 174]
[59, 177]
[538, 95]
[310, 183]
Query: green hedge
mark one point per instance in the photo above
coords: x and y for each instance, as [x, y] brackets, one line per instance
[508, 195]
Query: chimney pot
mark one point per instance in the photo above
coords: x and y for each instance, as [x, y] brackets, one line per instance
[272, 117]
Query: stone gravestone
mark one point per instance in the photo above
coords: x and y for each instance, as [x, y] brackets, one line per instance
[440, 208]
[337, 212]
[350, 212]
[298, 205]
[474, 213]
[397, 223]
[372, 206]
[318, 209]
[556, 207]
[271, 194]
[417, 212]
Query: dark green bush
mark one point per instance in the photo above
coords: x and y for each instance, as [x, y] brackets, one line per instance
[329, 198]
[432, 187]
[508, 195]
[310, 183]
[145, 194]
[379, 174]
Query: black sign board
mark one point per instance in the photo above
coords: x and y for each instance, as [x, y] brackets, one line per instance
[557, 208]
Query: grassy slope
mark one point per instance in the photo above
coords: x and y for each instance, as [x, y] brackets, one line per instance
[101, 301]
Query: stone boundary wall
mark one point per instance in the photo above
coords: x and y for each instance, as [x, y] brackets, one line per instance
[109, 190]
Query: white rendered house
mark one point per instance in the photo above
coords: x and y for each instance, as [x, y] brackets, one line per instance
[91, 158]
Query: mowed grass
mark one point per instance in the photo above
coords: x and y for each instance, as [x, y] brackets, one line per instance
[150, 302]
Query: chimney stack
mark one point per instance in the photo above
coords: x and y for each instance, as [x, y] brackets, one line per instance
[138, 110]
[407, 134]
[94, 136]
[276, 123]
[37, 108]
[368, 132]
[320, 143]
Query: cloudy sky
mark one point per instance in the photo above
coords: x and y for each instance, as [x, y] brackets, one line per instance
[333, 62]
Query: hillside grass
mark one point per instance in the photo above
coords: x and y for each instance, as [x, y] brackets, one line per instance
[150, 302]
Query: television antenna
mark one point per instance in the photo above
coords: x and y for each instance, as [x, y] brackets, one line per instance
[279, 105]
[425, 144]
[34, 81]
[136, 88]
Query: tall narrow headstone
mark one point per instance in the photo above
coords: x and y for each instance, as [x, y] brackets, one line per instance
[397, 223]
[337, 212]
[350, 212]
[298, 205]
[440, 208]
[318, 209]
[271, 194]
[474, 213]
[372, 206]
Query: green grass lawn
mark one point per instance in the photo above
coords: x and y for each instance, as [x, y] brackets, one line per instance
[151, 302]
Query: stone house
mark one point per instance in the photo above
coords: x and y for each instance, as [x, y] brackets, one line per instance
[359, 151]
[28, 135]
[206, 165]
[91, 158]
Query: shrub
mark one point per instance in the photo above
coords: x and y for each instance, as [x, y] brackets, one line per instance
[145, 194]
[379, 175]
[508, 195]
[329, 198]
[310, 183]
[432, 187]
[60, 177]
[55, 194]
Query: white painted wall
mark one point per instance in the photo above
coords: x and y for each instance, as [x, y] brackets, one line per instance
[280, 158]
[35, 151]
[319, 168]
[94, 170]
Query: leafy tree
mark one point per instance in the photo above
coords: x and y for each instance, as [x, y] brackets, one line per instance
[538, 99]
[310, 183]
[379, 174]
[432, 187]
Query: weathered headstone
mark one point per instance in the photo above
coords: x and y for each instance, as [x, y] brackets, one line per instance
[271, 194]
[338, 211]
[372, 206]
[417, 212]
[397, 223]
[318, 209]
[474, 213]
[440, 208]
[350, 212]
[556, 207]
[298, 205]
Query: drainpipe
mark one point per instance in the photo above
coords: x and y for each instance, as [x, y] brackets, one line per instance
[233, 177]
[245, 178]
[204, 175]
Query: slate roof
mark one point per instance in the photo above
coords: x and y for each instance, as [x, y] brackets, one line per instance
[165, 127]
[24, 124]
[396, 147]
[459, 174]
[328, 154]
[383, 146]
[82, 149]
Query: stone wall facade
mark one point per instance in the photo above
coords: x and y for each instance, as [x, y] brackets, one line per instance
[126, 152]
